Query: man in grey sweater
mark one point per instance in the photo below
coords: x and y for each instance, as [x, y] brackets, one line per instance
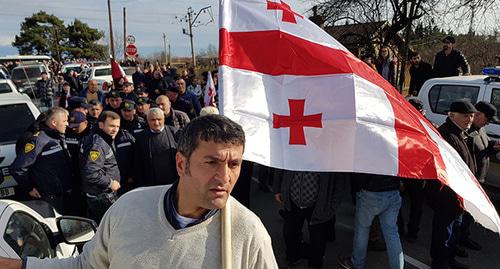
[179, 226]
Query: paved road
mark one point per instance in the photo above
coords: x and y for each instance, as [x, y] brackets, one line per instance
[417, 254]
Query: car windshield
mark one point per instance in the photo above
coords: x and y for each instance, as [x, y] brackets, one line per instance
[12, 129]
[31, 72]
[102, 72]
[5, 87]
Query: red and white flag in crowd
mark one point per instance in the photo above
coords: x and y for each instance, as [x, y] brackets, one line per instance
[117, 71]
[306, 103]
[209, 98]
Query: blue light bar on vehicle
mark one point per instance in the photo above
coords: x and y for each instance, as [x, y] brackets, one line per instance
[491, 71]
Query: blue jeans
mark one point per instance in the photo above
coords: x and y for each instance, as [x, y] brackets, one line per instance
[386, 206]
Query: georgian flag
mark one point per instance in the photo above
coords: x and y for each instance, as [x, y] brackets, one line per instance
[306, 103]
[209, 98]
[117, 71]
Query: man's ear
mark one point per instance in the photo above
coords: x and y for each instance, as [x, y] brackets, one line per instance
[180, 163]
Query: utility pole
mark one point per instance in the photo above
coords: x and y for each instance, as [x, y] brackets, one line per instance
[111, 40]
[191, 18]
[124, 34]
[165, 47]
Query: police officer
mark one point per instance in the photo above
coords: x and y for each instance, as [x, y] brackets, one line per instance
[128, 92]
[155, 152]
[42, 166]
[125, 142]
[142, 106]
[98, 166]
[78, 128]
[130, 120]
[114, 100]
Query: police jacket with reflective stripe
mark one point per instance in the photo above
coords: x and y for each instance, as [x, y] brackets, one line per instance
[98, 166]
[124, 143]
[43, 163]
[135, 126]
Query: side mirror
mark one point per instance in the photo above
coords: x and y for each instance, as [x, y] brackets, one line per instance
[76, 230]
[21, 90]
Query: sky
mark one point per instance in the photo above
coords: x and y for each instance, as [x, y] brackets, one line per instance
[147, 20]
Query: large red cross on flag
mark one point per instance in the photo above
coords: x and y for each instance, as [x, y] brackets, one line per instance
[364, 126]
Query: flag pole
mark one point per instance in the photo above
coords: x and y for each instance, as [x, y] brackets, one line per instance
[226, 236]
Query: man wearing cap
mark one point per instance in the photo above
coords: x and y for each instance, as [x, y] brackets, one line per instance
[92, 92]
[449, 60]
[42, 168]
[130, 120]
[448, 208]
[114, 100]
[98, 165]
[142, 106]
[128, 92]
[77, 129]
[173, 117]
[77, 103]
[482, 147]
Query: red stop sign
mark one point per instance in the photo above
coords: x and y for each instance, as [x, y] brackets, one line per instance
[131, 50]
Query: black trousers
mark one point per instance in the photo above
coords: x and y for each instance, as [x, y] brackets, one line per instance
[292, 230]
[98, 205]
[416, 194]
[445, 237]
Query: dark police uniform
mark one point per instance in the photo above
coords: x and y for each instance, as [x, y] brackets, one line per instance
[137, 125]
[98, 168]
[44, 163]
[73, 141]
[124, 143]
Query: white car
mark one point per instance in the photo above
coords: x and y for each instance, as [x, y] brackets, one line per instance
[99, 73]
[437, 95]
[78, 68]
[17, 113]
[7, 86]
[34, 229]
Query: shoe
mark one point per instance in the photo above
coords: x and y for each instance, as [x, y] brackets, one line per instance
[461, 252]
[345, 262]
[377, 245]
[411, 238]
[470, 244]
[454, 264]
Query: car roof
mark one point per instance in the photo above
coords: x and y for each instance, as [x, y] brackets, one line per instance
[28, 66]
[474, 79]
[101, 67]
[14, 98]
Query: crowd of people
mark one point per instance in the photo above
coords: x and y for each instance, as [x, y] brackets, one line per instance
[93, 147]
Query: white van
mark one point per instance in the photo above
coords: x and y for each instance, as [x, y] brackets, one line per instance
[17, 113]
[437, 94]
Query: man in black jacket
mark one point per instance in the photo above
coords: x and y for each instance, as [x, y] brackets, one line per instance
[98, 165]
[420, 72]
[155, 151]
[448, 208]
[42, 167]
[44, 90]
[449, 60]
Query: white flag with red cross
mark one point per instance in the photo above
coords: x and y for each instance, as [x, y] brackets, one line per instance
[307, 103]
[209, 97]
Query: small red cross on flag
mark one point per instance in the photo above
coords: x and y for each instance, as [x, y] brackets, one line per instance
[297, 121]
[288, 13]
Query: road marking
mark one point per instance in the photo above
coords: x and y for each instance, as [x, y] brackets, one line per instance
[416, 263]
